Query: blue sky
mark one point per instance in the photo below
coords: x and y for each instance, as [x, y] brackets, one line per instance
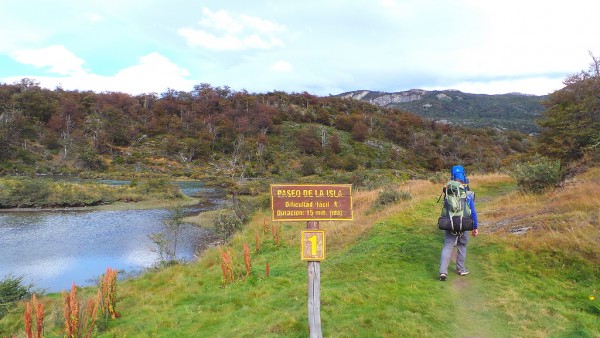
[322, 47]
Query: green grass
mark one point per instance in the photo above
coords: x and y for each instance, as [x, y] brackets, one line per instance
[383, 283]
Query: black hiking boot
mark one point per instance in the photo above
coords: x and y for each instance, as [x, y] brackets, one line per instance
[463, 272]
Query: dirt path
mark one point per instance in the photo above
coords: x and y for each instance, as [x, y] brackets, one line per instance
[471, 305]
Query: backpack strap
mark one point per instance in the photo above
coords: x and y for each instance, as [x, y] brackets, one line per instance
[457, 234]
[460, 226]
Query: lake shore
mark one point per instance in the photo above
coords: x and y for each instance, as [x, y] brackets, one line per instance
[118, 206]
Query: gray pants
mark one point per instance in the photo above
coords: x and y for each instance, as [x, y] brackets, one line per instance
[461, 246]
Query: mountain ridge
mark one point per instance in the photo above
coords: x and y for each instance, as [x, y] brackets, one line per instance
[515, 111]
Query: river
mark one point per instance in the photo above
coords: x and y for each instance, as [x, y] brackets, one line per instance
[53, 249]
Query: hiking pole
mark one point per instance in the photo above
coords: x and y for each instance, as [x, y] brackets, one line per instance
[443, 192]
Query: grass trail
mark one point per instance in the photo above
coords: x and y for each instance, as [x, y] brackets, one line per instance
[469, 293]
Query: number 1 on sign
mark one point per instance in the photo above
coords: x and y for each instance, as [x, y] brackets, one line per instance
[313, 245]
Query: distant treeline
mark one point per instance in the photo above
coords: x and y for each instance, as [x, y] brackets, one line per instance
[232, 134]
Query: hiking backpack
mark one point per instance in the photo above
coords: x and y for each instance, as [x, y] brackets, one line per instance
[456, 213]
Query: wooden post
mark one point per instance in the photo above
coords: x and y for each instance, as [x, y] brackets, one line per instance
[314, 291]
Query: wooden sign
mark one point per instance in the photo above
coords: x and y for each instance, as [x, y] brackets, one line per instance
[313, 245]
[311, 202]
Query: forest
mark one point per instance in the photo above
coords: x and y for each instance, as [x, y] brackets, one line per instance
[234, 135]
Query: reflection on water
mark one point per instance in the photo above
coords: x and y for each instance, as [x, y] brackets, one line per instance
[53, 249]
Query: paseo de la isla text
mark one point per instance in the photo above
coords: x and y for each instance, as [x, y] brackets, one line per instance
[291, 193]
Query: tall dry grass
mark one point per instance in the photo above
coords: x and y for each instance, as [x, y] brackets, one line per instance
[486, 179]
[566, 218]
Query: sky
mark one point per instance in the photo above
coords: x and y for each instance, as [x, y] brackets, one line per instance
[323, 47]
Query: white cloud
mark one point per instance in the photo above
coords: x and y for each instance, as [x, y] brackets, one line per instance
[261, 25]
[154, 73]
[224, 31]
[221, 21]
[210, 41]
[57, 57]
[93, 17]
[281, 66]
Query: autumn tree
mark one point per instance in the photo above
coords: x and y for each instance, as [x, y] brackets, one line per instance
[571, 123]
[335, 144]
[308, 140]
[360, 131]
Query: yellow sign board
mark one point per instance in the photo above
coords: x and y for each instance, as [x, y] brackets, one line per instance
[313, 245]
[311, 202]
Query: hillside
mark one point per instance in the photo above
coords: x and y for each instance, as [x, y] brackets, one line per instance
[508, 111]
[380, 274]
[216, 132]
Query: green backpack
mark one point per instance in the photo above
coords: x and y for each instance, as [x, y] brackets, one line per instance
[456, 213]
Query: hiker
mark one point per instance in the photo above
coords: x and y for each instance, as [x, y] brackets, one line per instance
[458, 238]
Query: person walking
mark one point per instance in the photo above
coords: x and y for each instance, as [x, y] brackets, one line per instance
[458, 239]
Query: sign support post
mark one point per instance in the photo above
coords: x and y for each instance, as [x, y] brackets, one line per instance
[314, 291]
[312, 203]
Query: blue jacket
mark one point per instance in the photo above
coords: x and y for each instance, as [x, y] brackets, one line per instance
[471, 202]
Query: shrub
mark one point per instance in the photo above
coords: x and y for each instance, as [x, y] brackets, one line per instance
[389, 196]
[308, 166]
[160, 187]
[537, 174]
[438, 177]
[166, 241]
[12, 290]
[36, 190]
[226, 223]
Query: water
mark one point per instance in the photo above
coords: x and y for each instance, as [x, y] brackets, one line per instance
[53, 249]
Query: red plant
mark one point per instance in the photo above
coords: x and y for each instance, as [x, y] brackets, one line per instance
[39, 317]
[27, 320]
[278, 236]
[226, 266]
[107, 294]
[71, 312]
[89, 317]
[40, 321]
[79, 324]
[267, 269]
[247, 260]
[257, 241]
[264, 225]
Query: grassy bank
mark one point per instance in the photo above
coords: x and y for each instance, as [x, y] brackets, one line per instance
[45, 193]
[380, 275]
